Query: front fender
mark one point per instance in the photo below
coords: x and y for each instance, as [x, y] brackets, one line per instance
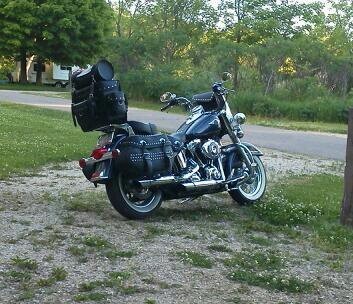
[253, 149]
[232, 160]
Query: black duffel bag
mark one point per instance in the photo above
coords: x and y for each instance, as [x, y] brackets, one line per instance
[100, 104]
[86, 114]
[101, 71]
[109, 95]
[145, 156]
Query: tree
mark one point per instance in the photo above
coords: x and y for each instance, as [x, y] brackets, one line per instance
[67, 32]
[16, 21]
[347, 203]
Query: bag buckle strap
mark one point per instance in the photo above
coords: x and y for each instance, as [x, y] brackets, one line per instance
[147, 158]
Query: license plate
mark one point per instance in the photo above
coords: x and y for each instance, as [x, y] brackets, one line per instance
[105, 139]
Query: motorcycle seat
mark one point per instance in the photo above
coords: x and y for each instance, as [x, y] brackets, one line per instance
[141, 128]
[203, 97]
[206, 100]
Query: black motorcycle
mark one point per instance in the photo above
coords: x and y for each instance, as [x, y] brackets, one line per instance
[141, 167]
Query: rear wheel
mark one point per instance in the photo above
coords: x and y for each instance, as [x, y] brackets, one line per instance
[252, 190]
[130, 200]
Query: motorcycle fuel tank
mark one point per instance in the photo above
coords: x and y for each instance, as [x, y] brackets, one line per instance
[204, 126]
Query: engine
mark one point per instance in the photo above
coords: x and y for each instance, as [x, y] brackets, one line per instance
[207, 154]
[211, 149]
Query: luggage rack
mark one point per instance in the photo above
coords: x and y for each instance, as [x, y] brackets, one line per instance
[112, 127]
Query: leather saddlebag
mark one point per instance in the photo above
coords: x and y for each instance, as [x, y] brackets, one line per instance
[100, 104]
[145, 156]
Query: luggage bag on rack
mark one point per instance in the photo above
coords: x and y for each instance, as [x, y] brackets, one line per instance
[97, 101]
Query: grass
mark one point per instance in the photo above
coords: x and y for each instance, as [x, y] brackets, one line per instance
[312, 202]
[97, 244]
[271, 281]
[25, 263]
[195, 259]
[256, 260]
[85, 202]
[29, 87]
[93, 296]
[283, 123]
[219, 248]
[58, 274]
[264, 268]
[115, 280]
[152, 231]
[63, 95]
[31, 137]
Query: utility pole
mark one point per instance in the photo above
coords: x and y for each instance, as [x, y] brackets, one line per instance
[347, 203]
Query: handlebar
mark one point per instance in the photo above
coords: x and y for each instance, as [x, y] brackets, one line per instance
[165, 107]
[217, 88]
[175, 101]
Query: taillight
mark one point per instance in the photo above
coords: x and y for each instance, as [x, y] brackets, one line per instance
[82, 163]
[98, 153]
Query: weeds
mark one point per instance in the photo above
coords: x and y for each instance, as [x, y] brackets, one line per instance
[264, 269]
[272, 281]
[85, 202]
[25, 263]
[93, 296]
[195, 259]
[310, 201]
[219, 248]
[115, 280]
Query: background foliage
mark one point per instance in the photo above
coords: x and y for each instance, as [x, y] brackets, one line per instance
[288, 59]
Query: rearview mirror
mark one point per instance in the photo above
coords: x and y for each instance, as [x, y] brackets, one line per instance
[166, 97]
[226, 76]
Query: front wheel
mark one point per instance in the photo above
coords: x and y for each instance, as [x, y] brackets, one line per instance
[130, 201]
[252, 190]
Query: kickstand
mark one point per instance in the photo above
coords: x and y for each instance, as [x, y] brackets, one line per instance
[189, 199]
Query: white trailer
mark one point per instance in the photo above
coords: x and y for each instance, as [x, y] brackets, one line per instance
[52, 73]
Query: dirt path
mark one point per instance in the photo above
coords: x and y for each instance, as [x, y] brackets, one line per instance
[62, 242]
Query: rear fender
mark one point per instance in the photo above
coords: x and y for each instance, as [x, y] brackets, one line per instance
[101, 172]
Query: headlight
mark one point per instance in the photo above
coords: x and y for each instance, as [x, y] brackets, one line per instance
[240, 118]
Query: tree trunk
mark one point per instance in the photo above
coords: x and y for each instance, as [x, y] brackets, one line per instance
[347, 203]
[23, 71]
[39, 71]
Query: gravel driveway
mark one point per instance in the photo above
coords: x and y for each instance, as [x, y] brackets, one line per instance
[61, 242]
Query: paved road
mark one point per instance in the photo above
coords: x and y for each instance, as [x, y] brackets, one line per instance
[322, 145]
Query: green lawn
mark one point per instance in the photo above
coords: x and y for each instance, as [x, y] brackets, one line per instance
[31, 137]
[316, 126]
[29, 87]
[313, 202]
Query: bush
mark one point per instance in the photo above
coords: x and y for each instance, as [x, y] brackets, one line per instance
[321, 109]
[301, 89]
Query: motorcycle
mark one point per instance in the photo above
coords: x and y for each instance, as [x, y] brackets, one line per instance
[141, 167]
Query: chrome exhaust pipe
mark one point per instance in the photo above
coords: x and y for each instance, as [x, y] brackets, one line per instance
[164, 180]
[202, 184]
[212, 183]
